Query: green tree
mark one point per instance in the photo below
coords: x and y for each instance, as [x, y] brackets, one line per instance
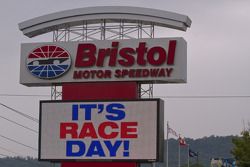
[241, 150]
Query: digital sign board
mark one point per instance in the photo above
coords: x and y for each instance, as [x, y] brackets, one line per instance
[101, 130]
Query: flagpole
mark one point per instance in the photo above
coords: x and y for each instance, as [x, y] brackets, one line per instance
[188, 155]
[179, 152]
[167, 144]
[197, 158]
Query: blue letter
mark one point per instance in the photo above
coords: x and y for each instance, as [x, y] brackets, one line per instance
[115, 113]
[88, 108]
[126, 148]
[75, 112]
[69, 148]
[95, 148]
[113, 148]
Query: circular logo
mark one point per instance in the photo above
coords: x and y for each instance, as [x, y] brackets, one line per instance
[48, 62]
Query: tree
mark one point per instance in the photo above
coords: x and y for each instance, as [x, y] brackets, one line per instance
[241, 150]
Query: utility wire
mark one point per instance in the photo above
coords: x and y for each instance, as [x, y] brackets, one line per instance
[25, 95]
[7, 138]
[19, 124]
[5, 149]
[20, 113]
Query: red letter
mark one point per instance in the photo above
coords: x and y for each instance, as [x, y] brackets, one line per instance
[171, 52]
[161, 56]
[127, 54]
[102, 132]
[128, 131]
[77, 75]
[141, 50]
[111, 53]
[68, 128]
[85, 56]
[88, 130]
[101, 55]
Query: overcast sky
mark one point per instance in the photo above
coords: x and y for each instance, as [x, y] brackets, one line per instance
[218, 65]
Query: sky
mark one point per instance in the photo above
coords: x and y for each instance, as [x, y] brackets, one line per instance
[214, 101]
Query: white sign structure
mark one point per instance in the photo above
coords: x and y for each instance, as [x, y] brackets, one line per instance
[101, 130]
[162, 60]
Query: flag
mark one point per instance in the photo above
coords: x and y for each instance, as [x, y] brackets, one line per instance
[170, 130]
[192, 153]
[182, 141]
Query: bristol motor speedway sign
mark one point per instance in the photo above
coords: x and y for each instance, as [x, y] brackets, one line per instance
[101, 130]
[155, 60]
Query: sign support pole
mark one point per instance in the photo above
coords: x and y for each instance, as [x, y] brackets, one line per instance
[100, 91]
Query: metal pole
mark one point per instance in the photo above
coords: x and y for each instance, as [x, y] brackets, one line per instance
[188, 155]
[167, 144]
[197, 158]
[179, 152]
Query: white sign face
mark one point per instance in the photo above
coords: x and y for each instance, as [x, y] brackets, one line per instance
[105, 130]
[162, 60]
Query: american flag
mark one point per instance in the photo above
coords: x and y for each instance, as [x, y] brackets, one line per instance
[170, 130]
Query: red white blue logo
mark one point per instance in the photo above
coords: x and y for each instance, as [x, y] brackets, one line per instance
[48, 62]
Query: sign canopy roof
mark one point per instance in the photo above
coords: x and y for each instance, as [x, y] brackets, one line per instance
[99, 14]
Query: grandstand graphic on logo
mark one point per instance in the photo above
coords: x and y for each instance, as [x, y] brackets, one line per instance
[48, 62]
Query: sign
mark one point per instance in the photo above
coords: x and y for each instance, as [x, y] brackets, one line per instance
[48, 62]
[162, 60]
[101, 130]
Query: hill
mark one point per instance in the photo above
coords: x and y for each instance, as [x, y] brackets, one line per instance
[211, 147]
[207, 148]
